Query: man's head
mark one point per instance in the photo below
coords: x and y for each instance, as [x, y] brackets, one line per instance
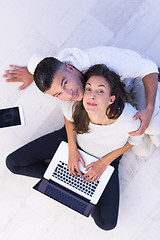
[59, 79]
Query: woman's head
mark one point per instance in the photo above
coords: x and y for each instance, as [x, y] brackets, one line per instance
[104, 96]
[104, 90]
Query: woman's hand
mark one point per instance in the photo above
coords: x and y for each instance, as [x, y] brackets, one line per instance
[96, 170]
[73, 162]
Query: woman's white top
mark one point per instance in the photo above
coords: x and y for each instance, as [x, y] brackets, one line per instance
[103, 139]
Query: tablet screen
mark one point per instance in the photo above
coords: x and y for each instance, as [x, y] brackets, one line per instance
[9, 117]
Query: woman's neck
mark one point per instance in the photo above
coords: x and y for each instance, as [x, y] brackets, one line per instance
[100, 120]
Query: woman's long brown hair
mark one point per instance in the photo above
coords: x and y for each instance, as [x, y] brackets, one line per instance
[114, 110]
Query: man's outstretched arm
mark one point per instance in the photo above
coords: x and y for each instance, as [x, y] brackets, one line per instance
[19, 74]
[150, 82]
[23, 74]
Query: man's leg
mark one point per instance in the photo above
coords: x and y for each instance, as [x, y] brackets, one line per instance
[105, 213]
[29, 159]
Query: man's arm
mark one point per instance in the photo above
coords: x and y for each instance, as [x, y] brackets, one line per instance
[150, 82]
[23, 74]
[19, 74]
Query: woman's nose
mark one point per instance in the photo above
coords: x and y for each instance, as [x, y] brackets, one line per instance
[92, 95]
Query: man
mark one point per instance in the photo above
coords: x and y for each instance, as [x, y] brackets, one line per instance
[63, 78]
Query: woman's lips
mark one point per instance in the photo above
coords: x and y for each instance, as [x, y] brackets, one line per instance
[91, 104]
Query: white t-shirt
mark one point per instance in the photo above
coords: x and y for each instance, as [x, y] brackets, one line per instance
[101, 140]
[125, 62]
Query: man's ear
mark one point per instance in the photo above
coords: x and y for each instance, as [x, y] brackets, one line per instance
[69, 67]
[112, 99]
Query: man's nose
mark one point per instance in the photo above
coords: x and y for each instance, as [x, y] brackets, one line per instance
[69, 92]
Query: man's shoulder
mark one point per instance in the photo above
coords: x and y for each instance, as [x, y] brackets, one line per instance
[67, 107]
[76, 51]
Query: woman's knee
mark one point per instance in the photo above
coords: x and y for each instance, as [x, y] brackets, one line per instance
[10, 163]
[106, 225]
[109, 225]
[106, 221]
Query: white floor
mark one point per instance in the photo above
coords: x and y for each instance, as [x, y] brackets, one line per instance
[47, 26]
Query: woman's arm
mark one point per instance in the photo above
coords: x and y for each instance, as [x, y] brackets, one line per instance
[74, 155]
[98, 167]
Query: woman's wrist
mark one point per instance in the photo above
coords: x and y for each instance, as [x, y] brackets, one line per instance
[72, 146]
[105, 161]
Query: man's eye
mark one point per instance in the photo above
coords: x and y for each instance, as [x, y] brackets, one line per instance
[65, 83]
[58, 95]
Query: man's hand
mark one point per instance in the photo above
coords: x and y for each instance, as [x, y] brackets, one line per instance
[73, 162]
[145, 116]
[19, 74]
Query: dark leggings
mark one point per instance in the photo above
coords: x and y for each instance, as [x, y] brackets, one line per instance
[29, 161]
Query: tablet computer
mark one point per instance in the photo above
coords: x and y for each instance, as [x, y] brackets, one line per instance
[11, 117]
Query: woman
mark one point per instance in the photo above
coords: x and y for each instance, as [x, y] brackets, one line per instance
[102, 121]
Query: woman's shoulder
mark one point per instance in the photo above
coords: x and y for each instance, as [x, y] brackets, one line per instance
[129, 110]
[128, 114]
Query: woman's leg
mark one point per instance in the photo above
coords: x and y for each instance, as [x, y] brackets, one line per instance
[105, 213]
[29, 159]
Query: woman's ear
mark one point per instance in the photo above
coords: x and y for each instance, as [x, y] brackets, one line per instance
[112, 99]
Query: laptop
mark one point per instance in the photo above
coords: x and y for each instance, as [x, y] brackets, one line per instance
[69, 190]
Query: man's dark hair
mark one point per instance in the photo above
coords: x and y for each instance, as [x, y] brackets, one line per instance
[80, 117]
[45, 72]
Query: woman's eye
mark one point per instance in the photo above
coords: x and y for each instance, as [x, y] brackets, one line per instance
[87, 89]
[100, 91]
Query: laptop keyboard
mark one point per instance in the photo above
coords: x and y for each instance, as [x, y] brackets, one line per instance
[62, 173]
[66, 199]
